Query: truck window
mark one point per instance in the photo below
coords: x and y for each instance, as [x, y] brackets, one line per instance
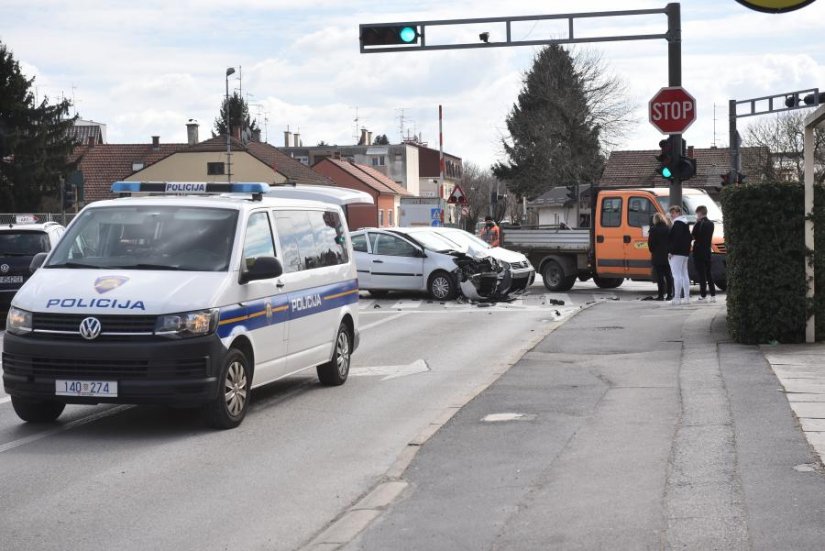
[611, 212]
[639, 211]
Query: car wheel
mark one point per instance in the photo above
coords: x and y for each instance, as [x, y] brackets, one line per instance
[336, 371]
[555, 279]
[37, 411]
[607, 282]
[229, 407]
[441, 286]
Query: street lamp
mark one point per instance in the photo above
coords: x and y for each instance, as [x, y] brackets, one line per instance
[229, 71]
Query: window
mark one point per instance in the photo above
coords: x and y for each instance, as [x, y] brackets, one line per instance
[391, 216]
[611, 212]
[390, 245]
[639, 211]
[359, 243]
[213, 169]
[297, 241]
[380, 218]
[330, 241]
[23, 243]
[258, 239]
[378, 160]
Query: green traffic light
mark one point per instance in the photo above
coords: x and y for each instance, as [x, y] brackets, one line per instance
[408, 34]
[666, 173]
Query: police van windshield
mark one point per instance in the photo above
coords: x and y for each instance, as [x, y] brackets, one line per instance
[148, 238]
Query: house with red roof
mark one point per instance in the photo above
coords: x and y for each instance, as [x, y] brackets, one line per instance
[385, 192]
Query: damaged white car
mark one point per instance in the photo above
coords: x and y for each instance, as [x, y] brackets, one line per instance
[409, 259]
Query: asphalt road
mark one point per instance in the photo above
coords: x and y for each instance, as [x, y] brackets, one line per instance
[124, 477]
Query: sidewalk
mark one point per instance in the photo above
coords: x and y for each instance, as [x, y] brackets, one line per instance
[632, 426]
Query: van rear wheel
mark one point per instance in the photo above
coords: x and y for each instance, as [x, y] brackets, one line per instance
[336, 371]
[607, 282]
[228, 408]
[37, 411]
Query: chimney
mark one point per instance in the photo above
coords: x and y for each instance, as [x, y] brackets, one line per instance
[256, 135]
[91, 141]
[690, 152]
[369, 138]
[287, 138]
[363, 140]
[297, 139]
[156, 143]
[192, 131]
[236, 133]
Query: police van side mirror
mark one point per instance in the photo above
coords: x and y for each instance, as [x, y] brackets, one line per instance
[37, 261]
[264, 267]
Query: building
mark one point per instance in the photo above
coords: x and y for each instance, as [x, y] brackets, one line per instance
[88, 132]
[555, 207]
[385, 193]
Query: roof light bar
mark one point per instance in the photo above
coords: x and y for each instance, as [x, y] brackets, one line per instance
[189, 188]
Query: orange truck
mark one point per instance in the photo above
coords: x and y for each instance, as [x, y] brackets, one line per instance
[614, 248]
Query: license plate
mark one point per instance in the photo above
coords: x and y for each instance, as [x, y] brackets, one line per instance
[102, 389]
[11, 279]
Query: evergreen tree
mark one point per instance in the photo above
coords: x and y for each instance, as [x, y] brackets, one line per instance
[238, 115]
[381, 139]
[35, 141]
[556, 127]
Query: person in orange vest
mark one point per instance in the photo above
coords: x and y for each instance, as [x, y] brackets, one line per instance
[490, 232]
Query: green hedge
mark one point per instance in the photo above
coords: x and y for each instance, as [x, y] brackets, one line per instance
[764, 233]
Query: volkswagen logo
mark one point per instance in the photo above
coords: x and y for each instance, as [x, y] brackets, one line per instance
[90, 328]
[4, 268]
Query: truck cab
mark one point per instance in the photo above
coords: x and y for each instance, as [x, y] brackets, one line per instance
[622, 223]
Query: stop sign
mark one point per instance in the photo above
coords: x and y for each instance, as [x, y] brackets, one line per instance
[672, 110]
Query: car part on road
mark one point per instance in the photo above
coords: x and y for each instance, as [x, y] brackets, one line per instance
[483, 278]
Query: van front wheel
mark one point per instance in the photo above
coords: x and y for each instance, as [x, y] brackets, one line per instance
[37, 411]
[336, 371]
[229, 407]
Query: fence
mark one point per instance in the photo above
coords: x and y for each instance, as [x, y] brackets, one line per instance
[62, 218]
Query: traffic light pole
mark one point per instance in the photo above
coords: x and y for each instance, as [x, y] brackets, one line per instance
[674, 78]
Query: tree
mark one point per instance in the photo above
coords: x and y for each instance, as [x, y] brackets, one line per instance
[35, 141]
[478, 185]
[780, 154]
[568, 111]
[238, 115]
[381, 139]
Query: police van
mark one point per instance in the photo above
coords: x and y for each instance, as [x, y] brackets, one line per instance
[186, 294]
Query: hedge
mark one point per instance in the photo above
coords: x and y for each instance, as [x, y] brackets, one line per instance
[764, 235]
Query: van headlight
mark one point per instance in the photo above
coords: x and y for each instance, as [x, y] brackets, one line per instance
[18, 322]
[187, 324]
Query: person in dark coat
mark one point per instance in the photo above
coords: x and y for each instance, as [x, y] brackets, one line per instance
[702, 239]
[657, 245]
[678, 242]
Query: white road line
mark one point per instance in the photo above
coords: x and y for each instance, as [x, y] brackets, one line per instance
[406, 304]
[5, 399]
[68, 426]
[380, 322]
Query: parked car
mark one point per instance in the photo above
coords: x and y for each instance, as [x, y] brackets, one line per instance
[522, 273]
[18, 245]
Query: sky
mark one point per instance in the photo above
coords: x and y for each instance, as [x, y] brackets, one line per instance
[146, 68]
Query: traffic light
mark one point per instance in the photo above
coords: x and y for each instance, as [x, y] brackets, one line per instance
[814, 99]
[665, 158]
[687, 168]
[68, 195]
[792, 101]
[389, 35]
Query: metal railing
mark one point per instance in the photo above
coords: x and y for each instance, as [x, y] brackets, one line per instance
[62, 218]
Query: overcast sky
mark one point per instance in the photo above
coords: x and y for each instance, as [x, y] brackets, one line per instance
[146, 68]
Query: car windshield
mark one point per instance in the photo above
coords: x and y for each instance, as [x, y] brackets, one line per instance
[465, 239]
[689, 204]
[433, 241]
[23, 243]
[148, 238]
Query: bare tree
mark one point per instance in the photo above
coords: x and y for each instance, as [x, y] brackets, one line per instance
[783, 137]
[478, 184]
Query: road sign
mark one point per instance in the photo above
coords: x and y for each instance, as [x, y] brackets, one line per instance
[457, 196]
[672, 110]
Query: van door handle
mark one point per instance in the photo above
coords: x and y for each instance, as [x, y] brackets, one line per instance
[626, 239]
[377, 261]
[599, 239]
[279, 284]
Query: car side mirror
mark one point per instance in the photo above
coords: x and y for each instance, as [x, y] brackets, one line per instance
[264, 267]
[37, 262]
[421, 253]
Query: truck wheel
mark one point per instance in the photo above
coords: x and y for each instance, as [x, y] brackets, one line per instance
[441, 286]
[555, 279]
[228, 408]
[335, 372]
[37, 411]
[607, 282]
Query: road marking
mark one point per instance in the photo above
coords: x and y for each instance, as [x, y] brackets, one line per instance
[390, 371]
[68, 426]
[406, 304]
[5, 399]
[385, 320]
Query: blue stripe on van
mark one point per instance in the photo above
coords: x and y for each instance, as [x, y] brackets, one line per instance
[280, 308]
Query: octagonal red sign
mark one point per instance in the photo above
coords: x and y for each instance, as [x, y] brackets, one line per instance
[672, 110]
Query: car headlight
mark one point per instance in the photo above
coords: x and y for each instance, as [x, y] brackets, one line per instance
[18, 322]
[187, 324]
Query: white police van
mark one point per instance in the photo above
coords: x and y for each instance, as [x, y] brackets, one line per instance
[186, 300]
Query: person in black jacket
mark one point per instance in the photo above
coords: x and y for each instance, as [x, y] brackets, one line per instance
[702, 237]
[678, 242]
[657, 245]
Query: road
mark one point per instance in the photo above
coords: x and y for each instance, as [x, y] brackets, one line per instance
[129, 477]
